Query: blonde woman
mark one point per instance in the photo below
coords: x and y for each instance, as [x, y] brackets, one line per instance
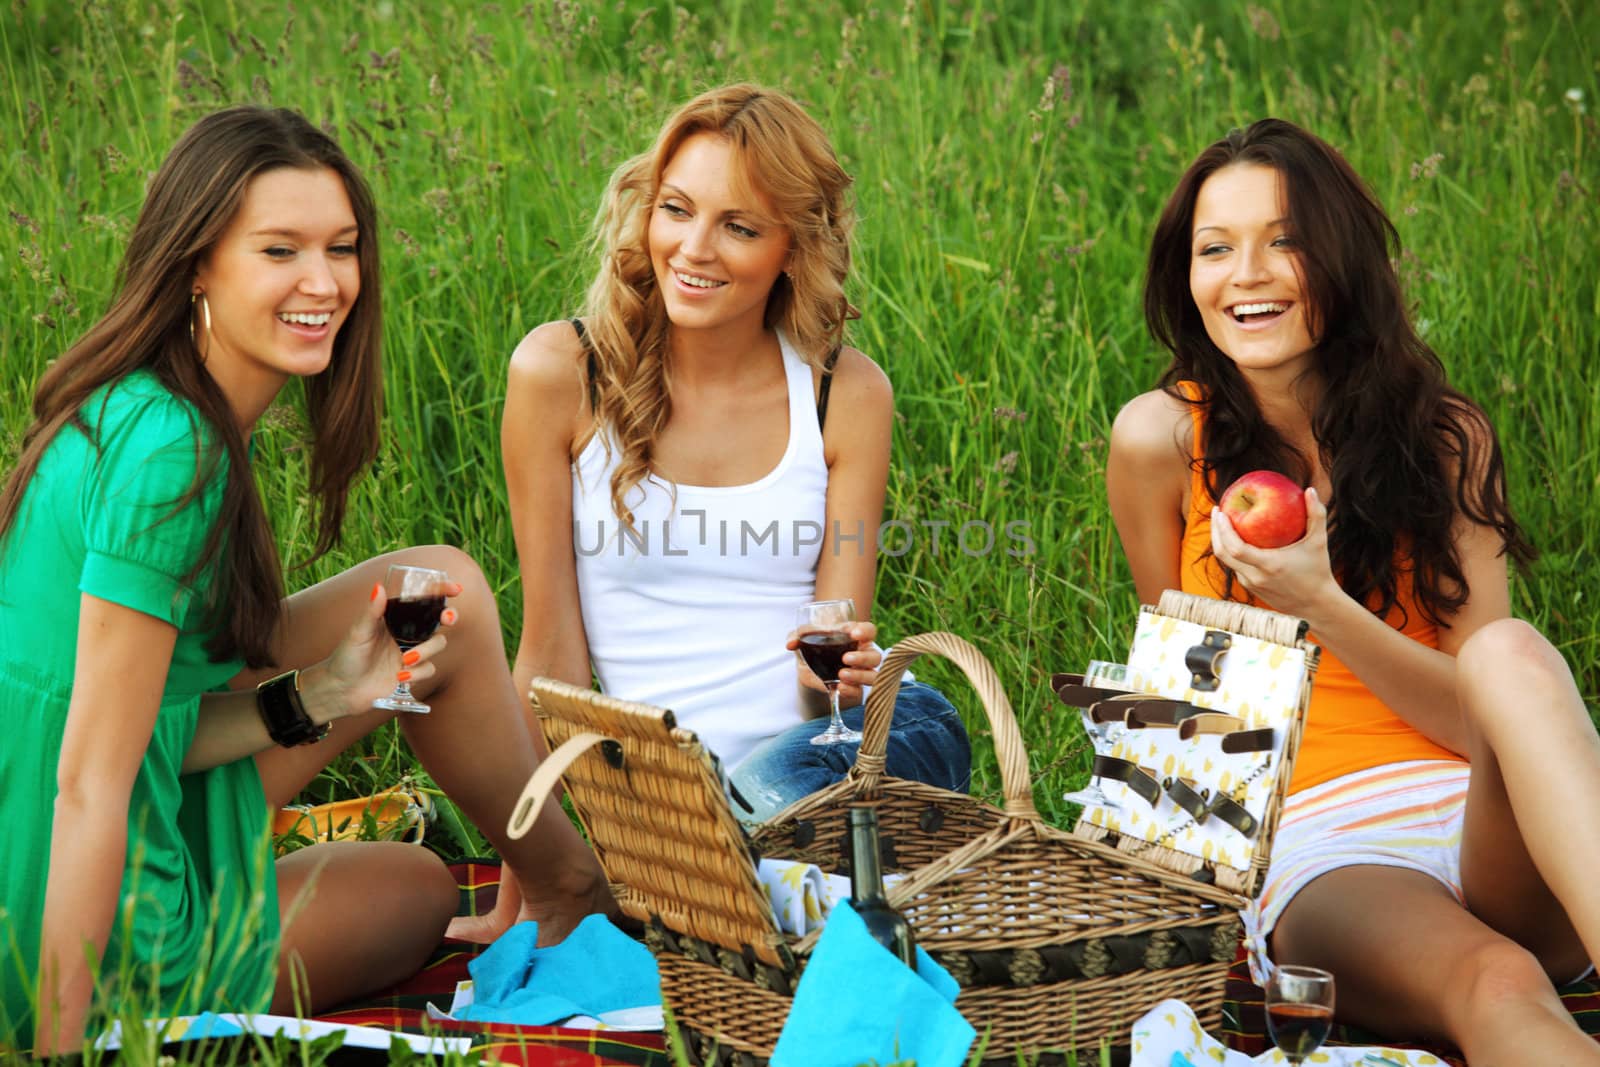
[700, 454]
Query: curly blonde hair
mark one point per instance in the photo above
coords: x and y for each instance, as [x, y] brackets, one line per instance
[786, 157]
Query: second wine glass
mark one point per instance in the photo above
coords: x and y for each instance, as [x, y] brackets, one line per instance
[823, 628]
[1299, 1010]
[415, 605]
[1105, 676]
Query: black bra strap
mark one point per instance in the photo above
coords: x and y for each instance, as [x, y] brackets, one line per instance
[593, 365]
[827, 384]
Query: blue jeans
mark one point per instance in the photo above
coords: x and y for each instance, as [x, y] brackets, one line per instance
[927, 743]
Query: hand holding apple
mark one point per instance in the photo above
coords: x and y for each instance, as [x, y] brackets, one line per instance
[1297, 578]
[1266, 509]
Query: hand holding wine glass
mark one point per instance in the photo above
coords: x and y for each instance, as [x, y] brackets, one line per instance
[416, 597]
[1299, 1010]
[823, 630]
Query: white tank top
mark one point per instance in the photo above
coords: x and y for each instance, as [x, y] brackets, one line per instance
[690, 610]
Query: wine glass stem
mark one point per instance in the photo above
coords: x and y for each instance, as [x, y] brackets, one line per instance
[837, 721]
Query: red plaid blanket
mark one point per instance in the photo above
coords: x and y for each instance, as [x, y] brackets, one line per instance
[1244, 1017]
[404, 1006]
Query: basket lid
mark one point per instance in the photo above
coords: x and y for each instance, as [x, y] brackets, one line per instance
[652, 803]
[1199, 753]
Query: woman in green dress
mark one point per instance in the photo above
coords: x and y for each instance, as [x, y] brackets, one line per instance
[160, 694]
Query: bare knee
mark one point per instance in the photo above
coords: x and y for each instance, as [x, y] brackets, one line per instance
[1499, 669]
[1494, 982]
[1502, 645]
[448, 558]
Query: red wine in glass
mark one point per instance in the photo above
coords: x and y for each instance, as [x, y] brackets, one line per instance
[824, 653]
[1299, 1029]
[412, 612]
[1299, 1009]
[412, 621]
[823, 627]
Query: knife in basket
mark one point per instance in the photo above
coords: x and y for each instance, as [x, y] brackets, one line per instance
[1140, 709]
[1072, 692]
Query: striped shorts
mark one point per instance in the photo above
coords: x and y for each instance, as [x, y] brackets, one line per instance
[1399, 815]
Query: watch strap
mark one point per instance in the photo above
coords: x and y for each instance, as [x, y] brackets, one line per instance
[284, 713]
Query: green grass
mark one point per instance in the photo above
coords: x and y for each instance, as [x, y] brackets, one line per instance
[1010, 159]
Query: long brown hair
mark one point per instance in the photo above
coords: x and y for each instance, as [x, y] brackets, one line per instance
[784, 154]
[1404, 451]
[191, 201]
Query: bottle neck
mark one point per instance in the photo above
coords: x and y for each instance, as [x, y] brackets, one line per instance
[866, 870]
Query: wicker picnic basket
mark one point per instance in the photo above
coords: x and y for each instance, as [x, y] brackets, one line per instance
[1059, 942]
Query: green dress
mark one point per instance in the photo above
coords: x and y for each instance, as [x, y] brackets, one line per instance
[197, 922]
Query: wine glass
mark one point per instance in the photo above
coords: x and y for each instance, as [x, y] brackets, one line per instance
[1102, 675]
[416, 601]
[1299, 1010]
[823, 628]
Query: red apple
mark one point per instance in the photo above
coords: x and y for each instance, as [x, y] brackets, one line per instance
[1267, 510]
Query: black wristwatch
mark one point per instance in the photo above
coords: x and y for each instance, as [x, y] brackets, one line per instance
[278, 701]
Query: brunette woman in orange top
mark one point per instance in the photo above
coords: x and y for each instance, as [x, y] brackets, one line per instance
[1428, 854]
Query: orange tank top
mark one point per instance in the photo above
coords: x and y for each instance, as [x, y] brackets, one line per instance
[1347, 728]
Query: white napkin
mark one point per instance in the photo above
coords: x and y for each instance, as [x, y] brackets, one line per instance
[800, 894]
[1169, 1035]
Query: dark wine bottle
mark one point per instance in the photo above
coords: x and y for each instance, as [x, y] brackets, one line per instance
[887, 926]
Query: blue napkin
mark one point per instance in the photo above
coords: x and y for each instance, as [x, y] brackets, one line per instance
[206, 1024]
[857, 1002]
[596, 969]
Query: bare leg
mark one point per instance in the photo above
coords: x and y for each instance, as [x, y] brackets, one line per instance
[1530, 853]
[1411, 962]
[341, 938]
[476, 743]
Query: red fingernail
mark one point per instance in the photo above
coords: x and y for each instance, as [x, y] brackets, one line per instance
[411, 657]
[376, 589]
[404, 676]
[449, 616]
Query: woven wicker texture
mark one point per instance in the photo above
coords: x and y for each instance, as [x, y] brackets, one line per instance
[659, 821]
[1058, 942]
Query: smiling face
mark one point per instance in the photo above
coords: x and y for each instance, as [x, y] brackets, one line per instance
[1245, 271]
[278, 285]
[717, 247]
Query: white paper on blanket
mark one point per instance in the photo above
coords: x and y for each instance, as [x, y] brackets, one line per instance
[1259, 683]
[221, 1024]
[1169, 1035]
[648, 1017]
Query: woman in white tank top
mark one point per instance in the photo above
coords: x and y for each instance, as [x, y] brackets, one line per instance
[676, 488]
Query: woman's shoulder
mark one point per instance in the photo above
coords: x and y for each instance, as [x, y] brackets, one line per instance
[548, 374]
[549, 364]
[549, 351]
[1153, 427]
[856, 377]
[138, 412]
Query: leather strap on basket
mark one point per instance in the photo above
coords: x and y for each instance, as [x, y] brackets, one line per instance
[543, 781]
[1015, 778]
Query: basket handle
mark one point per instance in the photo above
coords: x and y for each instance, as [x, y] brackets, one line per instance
[543, 780]
[1013, 757]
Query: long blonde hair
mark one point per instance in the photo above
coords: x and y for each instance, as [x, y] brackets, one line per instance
[784, 154]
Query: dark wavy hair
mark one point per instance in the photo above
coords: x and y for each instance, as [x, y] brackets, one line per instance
[1404, 451]
[191, 201]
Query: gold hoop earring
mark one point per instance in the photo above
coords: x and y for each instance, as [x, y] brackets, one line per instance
[205, 312]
